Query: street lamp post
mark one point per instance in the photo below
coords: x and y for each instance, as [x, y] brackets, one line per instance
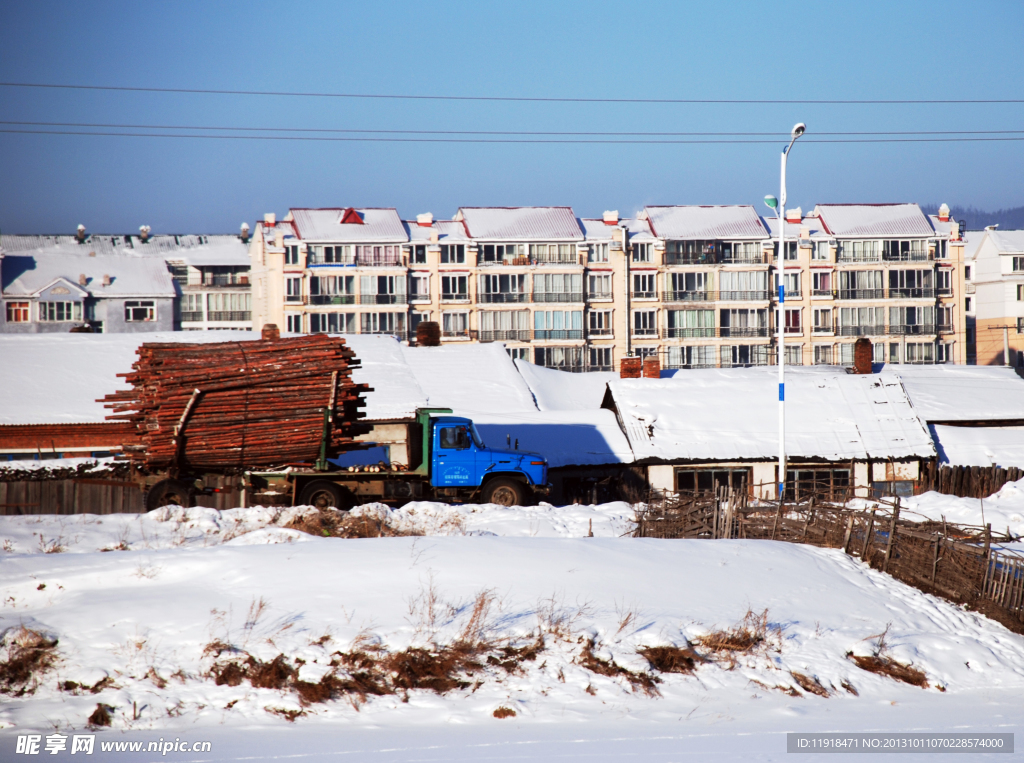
[779, 205]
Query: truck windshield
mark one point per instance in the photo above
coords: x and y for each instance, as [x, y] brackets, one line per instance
[476, 436]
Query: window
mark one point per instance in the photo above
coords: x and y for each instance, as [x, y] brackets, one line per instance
[228, 306]
[792, 283]
[794, 324]
[599, 323]
[498, 253]
[17, 312]
[645, 323]
[1020, 325]
[791, 247]
[340, 254]
[455, 324]
[504, 325]
[968, 304]
[139, 311]
[705, 481]
[703, 356]
[419, 287]
[691, 323]
[645, 352]
[822, 354]
[941, 251]
[419, 254]
[382, 290]
[382, 323]
[600, 358]
[192, 307]
[830, 484]
[643, 286]
[502, 288]
[820, 252]
[454, 288]
[291, 254]
[55, 312]
[224, 275]
[904, 251]
[599, 286]
[564, 253]
[415, 319]
[743, 285]
[1018, 264]
[944, 315]
[453, 254]
[912, 320]
[690, 287]
[292, 289]
[558, 287]
[920, 352]
[744, 355]
[746, 251]
[861, 321]
[294, 321]
[944, 352]
[379, 255]
[598, 253]
[179, 273]
[743, 322]
[519, 353]
[332, 290]
[859, 251]
[565, 358]
[911, 284]
[1020, 292]
[558, 324]
[454, 438]
[794, 354]
[943, 281]
[641, 252]
[861, 284]
[894, 352]
[823, 320]
[967, 272]
[846, 354]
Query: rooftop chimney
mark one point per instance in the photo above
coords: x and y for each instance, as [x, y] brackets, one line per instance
[611, 217]
[944, 213]
[428, 334]
[862, 356]
[82, 279]
[80, 235]
[106, 280]
[270, 332]
[245, 233]
[631, 368]
[425, 220]
[270, 218]
[794, 215]
[144, 233]
[652, 367]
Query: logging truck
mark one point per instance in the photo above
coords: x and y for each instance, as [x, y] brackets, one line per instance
[436, 456]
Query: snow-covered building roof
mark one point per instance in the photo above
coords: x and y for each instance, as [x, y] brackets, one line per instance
[732, 414]
[972, 240]
[730, 221]
[556, 390]
[946, 393]
[521, 223]
[105, 275]
[874, 220]
[980, 446]
[354, 225]
[1007, 241]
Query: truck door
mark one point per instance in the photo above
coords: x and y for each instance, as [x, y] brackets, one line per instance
[454, 456]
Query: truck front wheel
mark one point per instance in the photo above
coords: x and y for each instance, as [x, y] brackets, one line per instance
[504, 492]
[169, 493]
[325, 495]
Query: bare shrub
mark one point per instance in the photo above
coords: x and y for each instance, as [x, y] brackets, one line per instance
[27, 655]
[638, 681]
[560, 620]
[256, 610]
[504, 712]
[100, 716]
[882, 663]
[332, 523]
[288, 715]
[671, 659]
[510, 658]
[749, 634]
[810, 684]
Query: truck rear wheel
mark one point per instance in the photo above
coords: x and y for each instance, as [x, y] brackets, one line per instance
[325, 495]
[504, 492]
[169, 493]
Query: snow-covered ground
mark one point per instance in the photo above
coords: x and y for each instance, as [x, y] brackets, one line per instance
[1004, 509]
[137, 625]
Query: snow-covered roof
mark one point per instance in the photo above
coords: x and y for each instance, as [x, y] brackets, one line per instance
[521, 223]
[451, 231]
[378, 225]
[396, 391]
[735, 221]
[867, 220]
[963, 393]
[130, 275]
[727, 414]
[105, 243]
[980, 446]
[556, 390]
[814, 227]
[1008, 241]
[972, 240]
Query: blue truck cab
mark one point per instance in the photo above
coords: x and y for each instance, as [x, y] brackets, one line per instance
[460, 459]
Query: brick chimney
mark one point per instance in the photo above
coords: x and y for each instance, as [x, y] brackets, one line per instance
[270, 219]
[270, 333]
[652, 367]
[794, 215]
[631, 368]
[611, 217]
[425, 220]
[244, 235]
[82, 279]
[944, 213]
[862, 356]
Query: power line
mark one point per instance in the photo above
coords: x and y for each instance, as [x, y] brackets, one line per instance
[777, 135]
[539, 141]
[518, 99]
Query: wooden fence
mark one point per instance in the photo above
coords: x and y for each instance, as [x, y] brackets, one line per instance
[969, 481]
[958, 562]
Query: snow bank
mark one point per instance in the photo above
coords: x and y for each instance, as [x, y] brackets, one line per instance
[1004, 509]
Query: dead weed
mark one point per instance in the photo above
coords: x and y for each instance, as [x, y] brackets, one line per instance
[504, 712]
[332, 523]
[28, 654]
[638, 680]
[671, 659]
[882, 663]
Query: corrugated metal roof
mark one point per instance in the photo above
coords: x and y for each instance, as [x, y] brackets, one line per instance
[852, 220]
[379, 225]
[1008, 241]
[737, 221]
[814, 228]
[131, 275]
[451, 231]
[112, 244]
[521, 223]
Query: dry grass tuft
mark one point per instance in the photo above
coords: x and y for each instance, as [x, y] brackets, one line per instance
[504, 712]
[76, 688]
[810, 684]
[749, 634]
[100, 716]
[28, 654]
[288, 715]
[886, 666]
[638, 681]
[671, 659]
[332, 523]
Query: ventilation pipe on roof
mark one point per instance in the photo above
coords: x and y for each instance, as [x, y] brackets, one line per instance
[106, 280]
[245, 233]
[944, 213]
[270, 219]
[425, 220]
[144, 233]
[80, 235]
[794, 215]
[611, 217]
[82, 279]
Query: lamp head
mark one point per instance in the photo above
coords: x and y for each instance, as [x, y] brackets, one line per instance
[798, 129]
[771, 201]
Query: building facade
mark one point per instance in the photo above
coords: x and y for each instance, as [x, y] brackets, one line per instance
[998, 280]
[695, 286]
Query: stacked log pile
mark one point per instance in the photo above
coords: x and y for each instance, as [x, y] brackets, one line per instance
[235, 405]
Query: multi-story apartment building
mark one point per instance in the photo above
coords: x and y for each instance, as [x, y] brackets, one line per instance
[212, 277]
[998, 279]
[694, 285]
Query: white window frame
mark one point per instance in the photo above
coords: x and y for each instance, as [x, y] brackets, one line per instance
[146, 305]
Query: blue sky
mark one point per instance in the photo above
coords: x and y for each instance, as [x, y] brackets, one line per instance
[875, 50]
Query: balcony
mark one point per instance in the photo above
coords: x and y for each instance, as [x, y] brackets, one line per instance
[822, 293]
[505, 335]
[458, 334]
[340, 261]
[944, 291]
[294, 299]
[869, 330]
[795, 294]
[600, 331]
[508, 261]
[945, 328]
[824, 329]
[557, 259]
[558, 296]
[691, 296]
[558, 334]
[645, 331]
[379, 260]
[382, 299]
[332, 299]
[454, 296]
[599, 296]
[743, 331]
[862, 294]
[709, 364]
[503, 297]
[842, 256]
[911, 293]
[399, 334]
[238, 279]
[675, 258]
[744, 296]
[690, 332]
[192, 315]
[921, 256]
[798, 330]
[745, 259]
[229, 315]
[912, 329]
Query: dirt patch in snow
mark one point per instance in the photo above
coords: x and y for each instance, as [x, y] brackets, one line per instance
[27, 655]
